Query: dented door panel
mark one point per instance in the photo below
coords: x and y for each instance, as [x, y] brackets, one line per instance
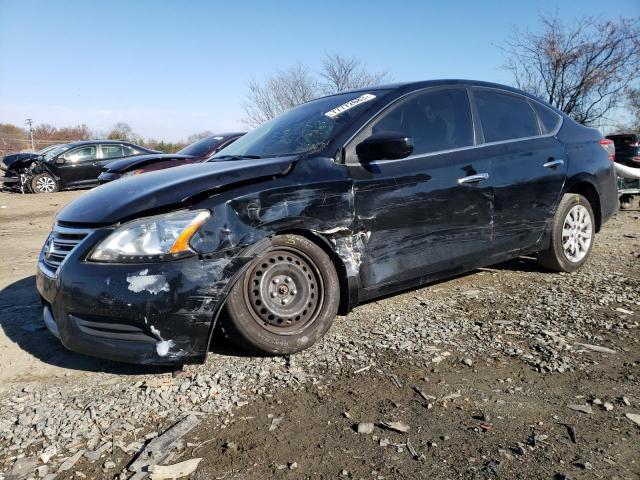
[419, 219]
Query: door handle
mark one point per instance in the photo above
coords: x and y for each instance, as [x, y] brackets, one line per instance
[473, 178]
[553, 163]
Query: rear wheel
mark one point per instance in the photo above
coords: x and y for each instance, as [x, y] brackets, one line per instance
[286, 300]
[572, 235]
[44, 183]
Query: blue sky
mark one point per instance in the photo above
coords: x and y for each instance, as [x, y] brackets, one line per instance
[173, 68]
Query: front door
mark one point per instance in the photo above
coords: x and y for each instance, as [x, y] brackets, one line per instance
[79, 166]
[430, 213]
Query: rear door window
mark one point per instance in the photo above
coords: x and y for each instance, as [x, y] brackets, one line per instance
[505, 117]
[111, 151]
[127, 151]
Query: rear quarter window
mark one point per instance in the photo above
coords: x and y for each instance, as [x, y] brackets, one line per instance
[505, 117]
[549, 119]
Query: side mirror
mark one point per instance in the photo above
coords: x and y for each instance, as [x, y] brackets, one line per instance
[385, 146]
[60, 160]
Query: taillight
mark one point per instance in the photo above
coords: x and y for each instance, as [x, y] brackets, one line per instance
[609, 147]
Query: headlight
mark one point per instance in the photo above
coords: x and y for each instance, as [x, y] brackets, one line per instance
[152, 238]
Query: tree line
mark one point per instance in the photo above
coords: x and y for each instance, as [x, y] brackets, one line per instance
[589, 68]
[14, 138]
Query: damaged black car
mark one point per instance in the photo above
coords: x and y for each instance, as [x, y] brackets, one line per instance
[335, 202]
[16, 168]
[67, 166]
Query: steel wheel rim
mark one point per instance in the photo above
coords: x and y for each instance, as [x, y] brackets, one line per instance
[577, 233]
[284, 275]
[45, 184]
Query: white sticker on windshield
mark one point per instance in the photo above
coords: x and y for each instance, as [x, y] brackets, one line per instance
[350, 104]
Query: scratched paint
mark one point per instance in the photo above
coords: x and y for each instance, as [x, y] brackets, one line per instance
[143, 282]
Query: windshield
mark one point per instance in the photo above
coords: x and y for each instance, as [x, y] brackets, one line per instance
[201, 148]
[55, 151]
[46, 149]
[303, 129]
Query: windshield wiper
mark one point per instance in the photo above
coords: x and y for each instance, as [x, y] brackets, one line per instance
[237, 157]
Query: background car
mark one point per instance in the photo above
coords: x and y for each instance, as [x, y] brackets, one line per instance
[196, 152]
[627, 149]
[73, 165]
[16, 163]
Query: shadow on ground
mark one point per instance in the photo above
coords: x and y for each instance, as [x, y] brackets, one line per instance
[21, 321]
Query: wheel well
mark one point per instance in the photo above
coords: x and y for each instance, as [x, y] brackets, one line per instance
[341, 270]
[587, 190]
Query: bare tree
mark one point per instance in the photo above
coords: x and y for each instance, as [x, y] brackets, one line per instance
[633, 101]
[199, 136]
[583, 68]
[279, 93]
[299, 84]
[123, 131]
[340, 73]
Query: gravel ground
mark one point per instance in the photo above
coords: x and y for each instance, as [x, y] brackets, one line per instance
[509, 371]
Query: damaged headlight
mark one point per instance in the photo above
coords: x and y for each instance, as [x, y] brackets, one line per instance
[152, 238]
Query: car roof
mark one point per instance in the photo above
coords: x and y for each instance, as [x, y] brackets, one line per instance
[407, 87]
[105, 142]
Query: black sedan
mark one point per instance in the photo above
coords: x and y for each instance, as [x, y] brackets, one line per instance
[196, 152]
[337, 201]
[68, 166]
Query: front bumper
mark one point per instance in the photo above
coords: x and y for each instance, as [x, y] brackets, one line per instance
[10, 182]
[155, 313]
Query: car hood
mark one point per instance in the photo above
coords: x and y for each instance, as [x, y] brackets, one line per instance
[135, 195]
[18, 159]
[137, 161]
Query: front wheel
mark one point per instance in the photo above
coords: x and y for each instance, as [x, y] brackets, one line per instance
[572, 235]
[286, 300]
[44, 183]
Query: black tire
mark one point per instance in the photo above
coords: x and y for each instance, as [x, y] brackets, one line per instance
[44, 183]
[556, 257]
[286, 300]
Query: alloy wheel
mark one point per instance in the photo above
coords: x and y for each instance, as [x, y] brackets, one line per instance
[45, 185]
[577, 233]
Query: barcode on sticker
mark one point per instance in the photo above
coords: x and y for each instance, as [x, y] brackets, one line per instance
[350, 104]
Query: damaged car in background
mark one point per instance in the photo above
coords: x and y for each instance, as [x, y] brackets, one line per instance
[16, 168]
[67, 166]
[196, 152]
[335, 202]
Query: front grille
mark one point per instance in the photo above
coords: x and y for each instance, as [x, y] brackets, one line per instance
[61, 243]
[106, 328]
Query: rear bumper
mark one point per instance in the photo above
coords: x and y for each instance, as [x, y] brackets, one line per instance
[156, 313]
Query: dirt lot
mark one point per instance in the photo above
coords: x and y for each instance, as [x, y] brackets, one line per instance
[500, 373]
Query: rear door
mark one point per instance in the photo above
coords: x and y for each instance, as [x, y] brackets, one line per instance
[431, 212]
[528, 166]
[79, 166]
[110, 152]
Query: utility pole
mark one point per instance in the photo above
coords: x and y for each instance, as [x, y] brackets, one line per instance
[29, 122]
